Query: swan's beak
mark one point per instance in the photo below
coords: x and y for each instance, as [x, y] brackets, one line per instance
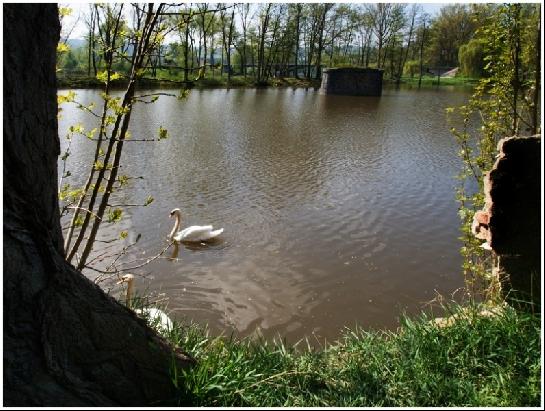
[125, 279]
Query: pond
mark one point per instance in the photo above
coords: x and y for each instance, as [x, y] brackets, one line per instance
[337, 210]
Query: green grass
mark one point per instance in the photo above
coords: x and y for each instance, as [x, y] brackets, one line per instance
[166, 77]
[476, 361]
[175, 78]
[444, 81]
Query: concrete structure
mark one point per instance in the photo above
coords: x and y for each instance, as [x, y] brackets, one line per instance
[352, 81]
[511, 219]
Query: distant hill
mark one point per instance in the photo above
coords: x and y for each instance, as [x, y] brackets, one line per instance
[76, 43]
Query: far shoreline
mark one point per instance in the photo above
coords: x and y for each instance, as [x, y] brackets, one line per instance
[248, 83]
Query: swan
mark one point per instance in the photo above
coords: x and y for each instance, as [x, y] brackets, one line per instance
[195, 233]
[157, 318]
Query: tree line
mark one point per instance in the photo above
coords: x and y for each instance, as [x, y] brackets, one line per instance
[266, 40]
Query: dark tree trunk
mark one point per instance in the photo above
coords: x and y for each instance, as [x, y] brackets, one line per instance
[321, 27]
[422, 53]
[186, 49]
[299, 8]
[66, 343]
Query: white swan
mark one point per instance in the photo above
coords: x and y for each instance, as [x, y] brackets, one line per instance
[156, 318]
[195, 233]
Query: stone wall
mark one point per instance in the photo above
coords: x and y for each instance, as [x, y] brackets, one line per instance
[511, 219]
[352, 81]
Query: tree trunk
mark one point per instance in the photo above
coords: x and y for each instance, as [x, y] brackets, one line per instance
[230, 40]
[319, 51]
[186, 49]
[261, 51]
[422, 54]
[66, 343]
[299, 9]
[537, 78]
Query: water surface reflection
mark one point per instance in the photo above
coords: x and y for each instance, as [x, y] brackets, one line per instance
[337, 210]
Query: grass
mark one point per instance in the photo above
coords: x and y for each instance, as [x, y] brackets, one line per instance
[167, 79]
[476, 361]
[444, 81]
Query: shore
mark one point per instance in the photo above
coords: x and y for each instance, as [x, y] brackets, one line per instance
[207, 83]
[78, 82]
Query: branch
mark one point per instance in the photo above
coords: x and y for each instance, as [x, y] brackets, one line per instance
[149, 260]
[128, 205]
[118, 270]
[196, 13]
[153, 95]
[84, 209]
[83, 107]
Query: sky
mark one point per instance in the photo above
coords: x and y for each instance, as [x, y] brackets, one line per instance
[80, 7]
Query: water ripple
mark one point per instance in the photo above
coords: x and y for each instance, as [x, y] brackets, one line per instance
[337, 210]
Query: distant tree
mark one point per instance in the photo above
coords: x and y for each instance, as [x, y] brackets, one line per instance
[453, 27]
[413, 14]
[264, 19]
[422, 39]
[385, 22]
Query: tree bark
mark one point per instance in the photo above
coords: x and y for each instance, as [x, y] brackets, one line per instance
[66, 343]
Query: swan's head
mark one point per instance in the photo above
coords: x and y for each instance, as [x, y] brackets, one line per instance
[176, 211]
[127, 278]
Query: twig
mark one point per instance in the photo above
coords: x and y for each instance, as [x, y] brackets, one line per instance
[149, 260]
[154, 95]
[128, 205]
[84, 209]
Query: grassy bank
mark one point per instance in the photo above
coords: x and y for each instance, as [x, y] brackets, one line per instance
[165, 81]
[477, 361]
[444, 81]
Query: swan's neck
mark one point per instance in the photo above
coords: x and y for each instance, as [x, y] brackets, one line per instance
[176, 226]
[129, 292]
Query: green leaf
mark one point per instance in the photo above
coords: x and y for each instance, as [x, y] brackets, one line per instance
[64, 11]
[78, 128]
[102, 76]
[114, 215]
[124, 179]
[115, 76]
[66, 98]
[91, 133]
[149, 200]
[184, 93]
[79, 221]
[162, 133]
[62, 48]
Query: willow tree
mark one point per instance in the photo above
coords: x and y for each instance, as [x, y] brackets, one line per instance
[66, 343]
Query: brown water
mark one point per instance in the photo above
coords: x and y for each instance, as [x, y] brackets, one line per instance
[337, 210]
